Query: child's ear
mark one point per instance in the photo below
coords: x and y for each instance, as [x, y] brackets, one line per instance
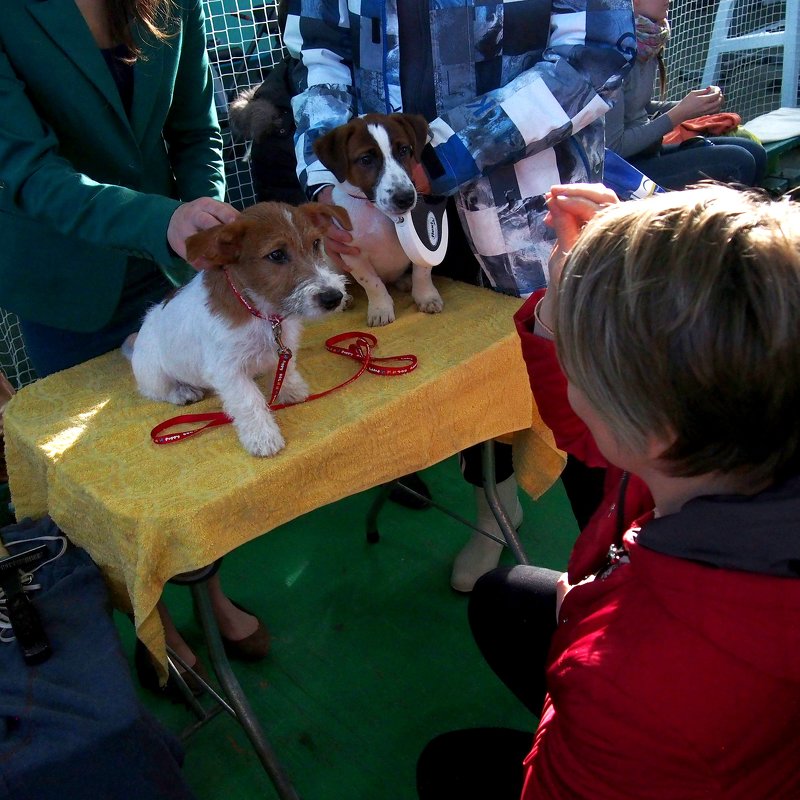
[659, 444]
[217, 246]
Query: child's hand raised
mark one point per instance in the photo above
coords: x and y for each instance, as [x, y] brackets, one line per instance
[570, 207]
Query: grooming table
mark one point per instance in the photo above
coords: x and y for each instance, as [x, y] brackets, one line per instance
[78, 447]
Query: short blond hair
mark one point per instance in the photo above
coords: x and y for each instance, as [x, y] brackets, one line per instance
[680, 315]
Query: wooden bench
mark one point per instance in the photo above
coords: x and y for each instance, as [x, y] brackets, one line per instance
[776, 149]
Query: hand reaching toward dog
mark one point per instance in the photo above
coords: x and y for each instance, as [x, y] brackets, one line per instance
[194, 216]
[337, 240]
[569, 208]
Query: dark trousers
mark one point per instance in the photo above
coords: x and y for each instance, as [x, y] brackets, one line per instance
[731, 159]
[53, 349]
[512, 614]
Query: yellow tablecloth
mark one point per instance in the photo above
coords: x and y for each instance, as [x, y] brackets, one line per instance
[78, 444]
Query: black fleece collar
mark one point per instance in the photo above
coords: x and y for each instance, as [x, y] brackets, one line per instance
[758, 533]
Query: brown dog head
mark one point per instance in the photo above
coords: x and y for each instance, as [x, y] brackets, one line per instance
[274, 254]
[351, 149]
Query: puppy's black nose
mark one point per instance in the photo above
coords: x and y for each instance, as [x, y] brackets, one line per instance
[330, 298]
[405, 199]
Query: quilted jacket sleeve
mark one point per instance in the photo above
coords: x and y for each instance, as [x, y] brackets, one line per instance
[320, 38]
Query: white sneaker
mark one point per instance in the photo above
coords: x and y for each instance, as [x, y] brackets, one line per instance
[482, 554]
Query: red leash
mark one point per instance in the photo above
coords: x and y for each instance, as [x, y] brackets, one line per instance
[360, 350]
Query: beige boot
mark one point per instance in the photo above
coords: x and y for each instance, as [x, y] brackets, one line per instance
[481, 554]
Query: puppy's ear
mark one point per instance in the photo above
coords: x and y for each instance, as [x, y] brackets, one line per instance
[321, 214]
[331, 150]
[217, 246]
[417, 127]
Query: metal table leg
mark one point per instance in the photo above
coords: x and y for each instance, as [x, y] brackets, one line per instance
[500, 514]
[233, 699]
[382, 495]
[236, 696]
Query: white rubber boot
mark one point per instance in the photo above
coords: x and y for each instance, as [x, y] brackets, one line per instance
[480, 553]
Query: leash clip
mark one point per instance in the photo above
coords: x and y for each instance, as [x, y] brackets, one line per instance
[283, 350]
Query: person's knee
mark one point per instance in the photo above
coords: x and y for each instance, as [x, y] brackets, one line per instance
[747, 168]
[730, 164]
[490, 586]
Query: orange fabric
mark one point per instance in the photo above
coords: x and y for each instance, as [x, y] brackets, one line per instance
[709, 125]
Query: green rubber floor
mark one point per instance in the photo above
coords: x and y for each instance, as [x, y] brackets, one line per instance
[372, 654]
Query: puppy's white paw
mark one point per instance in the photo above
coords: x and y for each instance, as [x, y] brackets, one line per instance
[379, 315]
[430, 304]
[263, 441]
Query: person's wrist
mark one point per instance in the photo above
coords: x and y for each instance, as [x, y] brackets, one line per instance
[543, 319]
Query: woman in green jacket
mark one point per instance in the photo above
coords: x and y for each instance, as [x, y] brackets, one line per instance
[110, 157]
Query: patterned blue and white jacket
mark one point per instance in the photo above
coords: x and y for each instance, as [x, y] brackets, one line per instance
[514, 91]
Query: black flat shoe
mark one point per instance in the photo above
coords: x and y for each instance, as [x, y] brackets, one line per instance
[254, 647]
[148, 677]
[407, 500]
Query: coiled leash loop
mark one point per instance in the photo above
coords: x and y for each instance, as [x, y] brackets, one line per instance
[359, 348]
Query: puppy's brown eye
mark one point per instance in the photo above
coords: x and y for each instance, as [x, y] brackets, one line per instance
[405, 150]
[317, 244]
[367, 160]
[278, 256]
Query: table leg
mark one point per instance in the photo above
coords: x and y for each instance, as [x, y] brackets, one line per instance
[236, 696]
[382, 495]
[500, 514]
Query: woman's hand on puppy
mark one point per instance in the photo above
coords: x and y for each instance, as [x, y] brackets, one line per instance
[194, 216]
[337, 240]
[569, 207]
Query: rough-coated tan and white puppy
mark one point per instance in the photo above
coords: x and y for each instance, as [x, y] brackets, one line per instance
[372, 158]
[205, 338]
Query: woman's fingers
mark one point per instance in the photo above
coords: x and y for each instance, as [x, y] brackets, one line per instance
[338, 243]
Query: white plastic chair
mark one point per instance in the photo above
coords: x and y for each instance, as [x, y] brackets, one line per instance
[787, 39]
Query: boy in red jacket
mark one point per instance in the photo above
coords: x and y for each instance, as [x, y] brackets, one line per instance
[666, 662]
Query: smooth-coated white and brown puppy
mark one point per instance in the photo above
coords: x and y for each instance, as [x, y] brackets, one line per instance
[372, 158]
[205, 338]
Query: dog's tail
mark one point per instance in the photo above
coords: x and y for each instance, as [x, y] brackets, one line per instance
[127, 346]
[252, 117]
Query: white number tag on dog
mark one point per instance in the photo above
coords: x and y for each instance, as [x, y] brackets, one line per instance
[423, 231]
